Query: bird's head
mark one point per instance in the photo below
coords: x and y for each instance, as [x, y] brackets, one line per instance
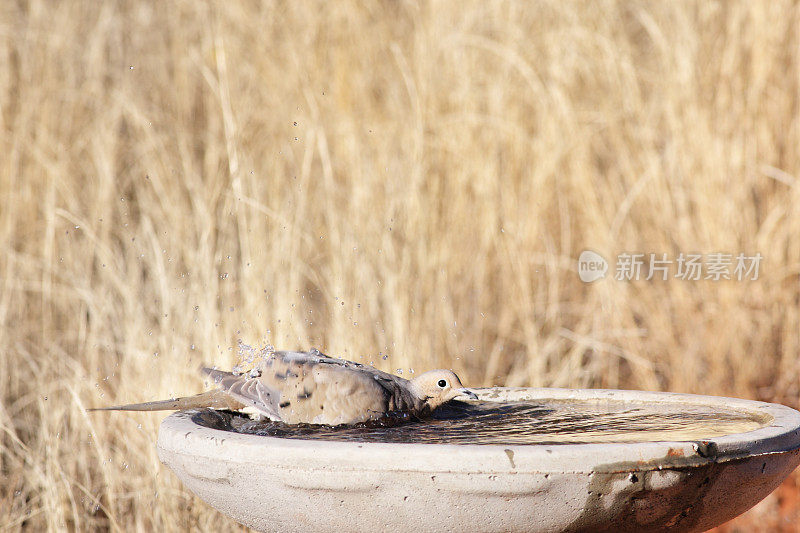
[439, 386]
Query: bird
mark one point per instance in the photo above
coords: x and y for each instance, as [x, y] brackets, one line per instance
[312, 388]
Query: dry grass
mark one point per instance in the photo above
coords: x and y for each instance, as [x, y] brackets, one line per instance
[388, 178]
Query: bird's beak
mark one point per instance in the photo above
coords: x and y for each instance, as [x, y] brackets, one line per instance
[468, 393]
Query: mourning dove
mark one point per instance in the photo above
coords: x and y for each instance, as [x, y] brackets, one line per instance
[311, 388]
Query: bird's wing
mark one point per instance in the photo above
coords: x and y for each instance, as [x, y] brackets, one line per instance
[308, 387]
[395, 390]
[248, 391]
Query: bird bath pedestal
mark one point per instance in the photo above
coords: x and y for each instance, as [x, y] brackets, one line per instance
[610, 484]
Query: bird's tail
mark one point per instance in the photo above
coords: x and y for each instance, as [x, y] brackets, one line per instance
[216, 399]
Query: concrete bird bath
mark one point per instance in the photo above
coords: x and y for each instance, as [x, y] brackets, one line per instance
[658, 481]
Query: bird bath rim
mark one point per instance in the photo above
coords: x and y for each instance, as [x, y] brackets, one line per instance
[780, 433]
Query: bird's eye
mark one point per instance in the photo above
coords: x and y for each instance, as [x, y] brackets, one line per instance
[442, 383]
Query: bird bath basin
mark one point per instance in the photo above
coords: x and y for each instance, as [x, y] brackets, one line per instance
[566, 460]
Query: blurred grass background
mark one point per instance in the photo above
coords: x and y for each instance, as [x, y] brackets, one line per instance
[394, 178]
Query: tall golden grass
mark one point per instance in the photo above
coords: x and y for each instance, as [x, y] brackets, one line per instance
[401, 179]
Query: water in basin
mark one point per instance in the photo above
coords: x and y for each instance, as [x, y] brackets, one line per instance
[524, 422]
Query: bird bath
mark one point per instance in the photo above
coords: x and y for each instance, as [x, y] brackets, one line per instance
[585, 460]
